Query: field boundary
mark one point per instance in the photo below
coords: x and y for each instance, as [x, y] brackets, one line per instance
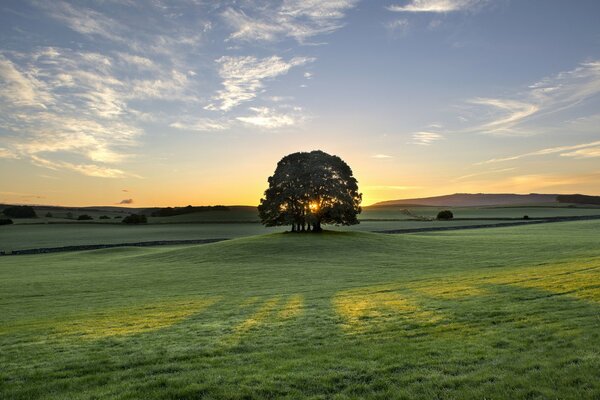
[45, 250]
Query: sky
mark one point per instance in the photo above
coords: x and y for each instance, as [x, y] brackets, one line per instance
[170, 103]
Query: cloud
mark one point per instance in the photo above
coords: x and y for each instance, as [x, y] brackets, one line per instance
[435, 6]
[543, 99]
[21, 89]
[165, 35]
[126, 201]
[84, 113]
[476, 174]
[243, 77]
[397, 26]
[590, 152]
[137, 61]
[265, 117]
[85, 21]
[582, 149]
[511, 112]
[201, 125]
[296, 19]
[425, 138]
[5, 153]
[381, 156]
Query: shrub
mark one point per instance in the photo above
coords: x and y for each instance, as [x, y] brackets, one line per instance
[6, 221]
[48, 215]
[104, 217]
[84, 217]
[445, 214]
[118, 217]
[20, 212]
[525, 216]
[135, 219]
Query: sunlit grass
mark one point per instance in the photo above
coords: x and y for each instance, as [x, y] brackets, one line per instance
[363, 311]
[133, 320]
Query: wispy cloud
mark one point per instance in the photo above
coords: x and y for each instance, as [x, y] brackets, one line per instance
[382, 156]
[243, 77]
[590, 152]
[576, 150]
[425, 138]
[397, 26]
[21, 89]
[435, 6]
[126, 201]
[267, 118]
[164, 36]
[543, 99]
[510, 113]
[201, 125]
[84, 111]
[297, 19]
[5, 153]
[481, 173]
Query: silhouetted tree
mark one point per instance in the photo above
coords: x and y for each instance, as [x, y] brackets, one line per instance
[445, 214]
[6, 221]
[308, 190]
[135, 219]
[85, 217]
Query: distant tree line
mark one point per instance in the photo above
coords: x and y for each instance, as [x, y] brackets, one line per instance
[578, 199]
[135, 219]
[19, 212]
[172, 211]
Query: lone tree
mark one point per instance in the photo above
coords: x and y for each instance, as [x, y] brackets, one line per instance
[445, 214]
[310, 189]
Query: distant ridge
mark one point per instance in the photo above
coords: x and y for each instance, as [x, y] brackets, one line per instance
[474, 199]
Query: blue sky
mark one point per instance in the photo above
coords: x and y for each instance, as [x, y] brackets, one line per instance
[171, 103]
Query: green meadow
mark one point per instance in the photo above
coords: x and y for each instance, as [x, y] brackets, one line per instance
[499, 313]
[57, 231]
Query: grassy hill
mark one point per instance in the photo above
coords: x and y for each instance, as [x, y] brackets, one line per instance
[499, 313]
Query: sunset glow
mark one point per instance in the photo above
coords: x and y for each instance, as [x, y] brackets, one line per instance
[170, 104]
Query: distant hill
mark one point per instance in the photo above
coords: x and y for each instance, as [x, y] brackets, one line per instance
[578, 199]
[473, 200]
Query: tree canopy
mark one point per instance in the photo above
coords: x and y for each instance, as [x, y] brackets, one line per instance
[310, 189]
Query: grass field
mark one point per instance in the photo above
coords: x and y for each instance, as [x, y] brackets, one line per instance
[241, 221]
[32, 236]
[498, 313]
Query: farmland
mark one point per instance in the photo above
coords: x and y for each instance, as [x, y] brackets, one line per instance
[501, 313]
[57, 231]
